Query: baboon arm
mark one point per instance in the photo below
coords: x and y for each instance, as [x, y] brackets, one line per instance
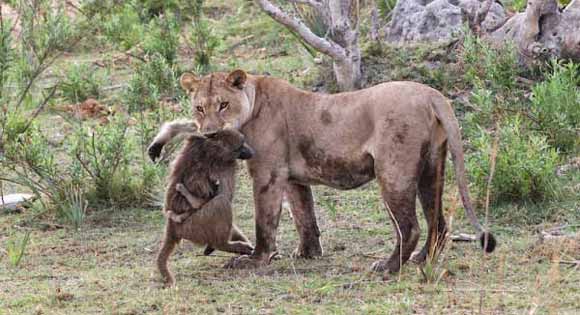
[223, 199]
[167, 133]
[195, 202]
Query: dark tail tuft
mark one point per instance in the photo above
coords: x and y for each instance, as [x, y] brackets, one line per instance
[491, 243]
[208, 250]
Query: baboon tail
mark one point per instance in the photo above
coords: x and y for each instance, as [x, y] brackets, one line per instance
[167, 248]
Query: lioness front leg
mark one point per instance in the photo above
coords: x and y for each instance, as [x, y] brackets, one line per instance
[302, 207]
[268, 191]
[167, 133]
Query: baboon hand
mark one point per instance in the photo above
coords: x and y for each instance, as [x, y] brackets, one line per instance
[154, 150]
[181, 188]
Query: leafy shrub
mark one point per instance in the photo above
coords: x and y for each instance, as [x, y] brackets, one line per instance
[80, 82]
[103, 156]
[556, 106]
[117, 177]
[525, 164]
[30, 162]
[385, 8]
[488, 66]
[203, 39]
[162, 38]
[151, 80]
[124, 28]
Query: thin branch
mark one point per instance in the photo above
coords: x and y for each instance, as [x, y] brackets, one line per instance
[325, 46]
[312, 3]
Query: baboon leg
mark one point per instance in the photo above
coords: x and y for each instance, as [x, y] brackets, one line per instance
[238, 235]
[302, 207]
[167, 247]
[430, 194]
[236, 247]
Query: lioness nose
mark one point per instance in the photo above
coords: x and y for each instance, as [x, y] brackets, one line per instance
[210, 127]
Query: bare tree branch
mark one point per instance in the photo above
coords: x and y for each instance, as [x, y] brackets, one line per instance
[325, 46]
[312, 3]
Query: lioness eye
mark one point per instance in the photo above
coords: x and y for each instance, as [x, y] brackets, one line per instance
[224, 105]
[199, 109]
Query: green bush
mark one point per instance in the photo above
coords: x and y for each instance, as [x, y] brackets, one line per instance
[525, 164]
[203, 38]
[162, 38]
[488, 66]
[556, 106]
[104, 156]
[385, 8]
[152, 80]
[80, 81]
[124, 28]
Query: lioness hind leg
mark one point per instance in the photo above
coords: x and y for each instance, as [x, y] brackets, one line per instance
[401, 208]
[397, 171]
[430, 194]
[302, 207]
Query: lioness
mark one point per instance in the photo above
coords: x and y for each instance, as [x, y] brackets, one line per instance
[396, 132]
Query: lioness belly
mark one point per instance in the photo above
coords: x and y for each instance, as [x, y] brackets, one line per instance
[341, 172]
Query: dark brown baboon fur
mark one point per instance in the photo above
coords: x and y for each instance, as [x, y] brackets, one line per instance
[205, 167]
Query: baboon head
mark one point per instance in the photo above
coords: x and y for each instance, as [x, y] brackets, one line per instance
[227, 146]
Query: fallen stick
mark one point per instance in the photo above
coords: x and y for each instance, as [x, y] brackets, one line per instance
[463, 237]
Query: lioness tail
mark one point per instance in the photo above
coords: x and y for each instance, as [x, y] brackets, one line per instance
[445, 114]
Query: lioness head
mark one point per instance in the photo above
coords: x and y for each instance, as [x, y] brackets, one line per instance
[219, 100]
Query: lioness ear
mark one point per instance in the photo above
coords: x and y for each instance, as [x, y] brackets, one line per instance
[237, 78]
[188, 82]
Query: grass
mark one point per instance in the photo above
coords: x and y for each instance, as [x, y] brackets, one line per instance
[108, 267]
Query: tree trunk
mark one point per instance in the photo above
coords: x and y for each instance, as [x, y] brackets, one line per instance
[341, 44]
[344, 31]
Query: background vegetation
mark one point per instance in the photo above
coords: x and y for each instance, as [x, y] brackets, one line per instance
[83, 89]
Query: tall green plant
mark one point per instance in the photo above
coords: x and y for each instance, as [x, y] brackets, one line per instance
[525, 163]
[556, 106]
[202, 37]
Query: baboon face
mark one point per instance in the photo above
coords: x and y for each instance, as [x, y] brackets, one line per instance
[229, 145]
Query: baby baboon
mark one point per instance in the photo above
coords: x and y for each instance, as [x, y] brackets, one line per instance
[198, 201]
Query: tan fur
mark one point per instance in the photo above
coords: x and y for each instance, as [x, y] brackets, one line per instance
[396, 132]
[199, 197]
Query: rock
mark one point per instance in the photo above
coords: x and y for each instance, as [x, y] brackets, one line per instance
[13, 201]
[438, 20]
[543, 31]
